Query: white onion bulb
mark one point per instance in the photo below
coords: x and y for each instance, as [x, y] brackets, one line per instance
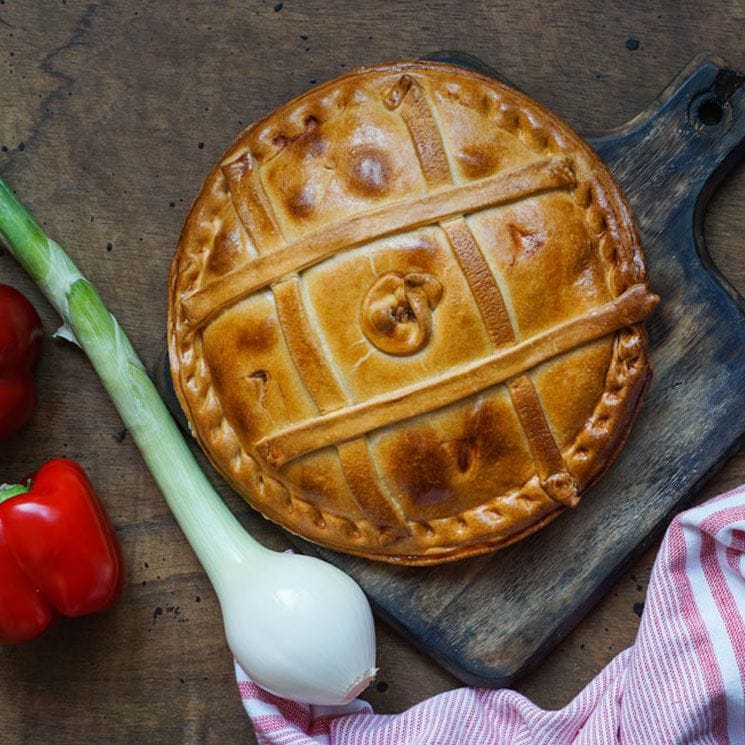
[299, 627]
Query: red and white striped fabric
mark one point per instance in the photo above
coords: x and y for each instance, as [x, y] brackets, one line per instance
[683, 681]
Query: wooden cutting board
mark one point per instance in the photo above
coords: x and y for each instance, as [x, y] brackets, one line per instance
[490, 619]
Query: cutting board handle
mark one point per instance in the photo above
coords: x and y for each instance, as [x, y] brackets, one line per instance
[686, 140]
[672, 156]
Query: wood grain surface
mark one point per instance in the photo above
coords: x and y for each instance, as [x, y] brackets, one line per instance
[111, 115]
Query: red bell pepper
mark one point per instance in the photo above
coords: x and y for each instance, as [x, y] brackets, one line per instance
[20, 344]
[59, 554]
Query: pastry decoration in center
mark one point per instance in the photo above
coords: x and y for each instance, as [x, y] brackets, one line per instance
[397, 311]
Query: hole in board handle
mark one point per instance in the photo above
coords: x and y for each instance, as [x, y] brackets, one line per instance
[708, 112]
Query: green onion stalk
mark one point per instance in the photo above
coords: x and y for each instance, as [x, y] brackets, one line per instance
[298, 626]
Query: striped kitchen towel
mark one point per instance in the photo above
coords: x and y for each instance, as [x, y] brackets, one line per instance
[682, 682]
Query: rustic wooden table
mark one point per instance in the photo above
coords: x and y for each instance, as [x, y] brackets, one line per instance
[112, 113]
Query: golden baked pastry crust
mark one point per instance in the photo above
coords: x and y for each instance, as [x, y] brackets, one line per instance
[405, 315]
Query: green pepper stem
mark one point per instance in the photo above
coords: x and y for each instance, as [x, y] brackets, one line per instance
[13, 490]
[213, 532]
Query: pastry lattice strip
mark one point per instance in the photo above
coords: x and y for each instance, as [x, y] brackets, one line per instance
[539, 176]
[410, 100]
[352, 421]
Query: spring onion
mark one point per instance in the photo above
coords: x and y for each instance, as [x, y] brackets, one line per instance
[299, 627]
